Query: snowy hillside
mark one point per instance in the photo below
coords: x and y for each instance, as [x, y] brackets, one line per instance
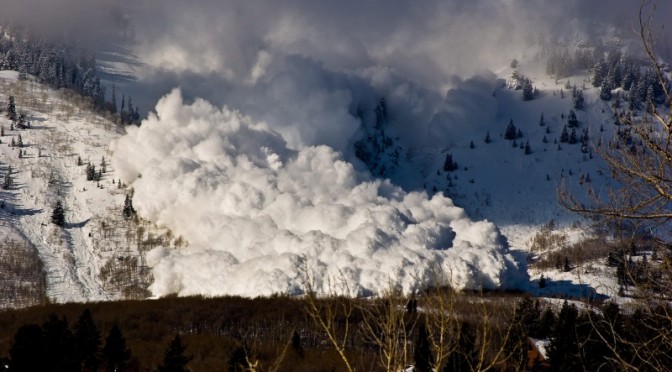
[94, 256]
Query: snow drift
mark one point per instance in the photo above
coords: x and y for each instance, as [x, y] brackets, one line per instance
[262, 218]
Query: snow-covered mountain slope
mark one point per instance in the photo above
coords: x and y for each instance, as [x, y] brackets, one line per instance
[259, 215]
[81, 258]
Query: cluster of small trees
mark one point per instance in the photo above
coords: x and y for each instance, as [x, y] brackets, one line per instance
[378, 150]
[59, 64]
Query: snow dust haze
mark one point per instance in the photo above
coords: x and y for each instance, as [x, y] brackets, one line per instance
[262, 218]
[251, 160]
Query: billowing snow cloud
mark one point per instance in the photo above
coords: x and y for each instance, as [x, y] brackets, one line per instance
[261, 217]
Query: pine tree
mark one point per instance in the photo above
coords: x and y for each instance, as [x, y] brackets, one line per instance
[7, 182]
[605, 91]
[58, 214]
[19, 141]
[114, 100]
[128, 210]
[115, 353]
[572, 120]
[174, 359]
[563, 350]
[564, 136]
[542, 122]
[487, 137]
[90, 172]
[11, 109]
[59, 345]
[572, 137]
[599, 72]
[577, 99]
[87, 342]
[449, 165]
[528, 150]
[542, 281]
[510, 133]
[528, 90]
[28, 343]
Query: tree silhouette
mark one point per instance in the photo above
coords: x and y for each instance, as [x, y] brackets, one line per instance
[174, 359]
[58, 215]
[115, 353]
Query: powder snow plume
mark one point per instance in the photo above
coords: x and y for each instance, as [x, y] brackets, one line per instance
[261, 217]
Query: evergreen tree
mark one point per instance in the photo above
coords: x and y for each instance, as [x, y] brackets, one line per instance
[605, 91]
[528, 90]
[563, 350]
[542, 281]
[528, 150]
[423, 351]
[599, 72]
[27, 350]
[115, 353]
[449, 165]
[114, 100]
[11, 109]
[90, 172]
[128, 210]
[510, 133]
[564, 136]
[174, 359]
[566, 266]
[59, 345]
[7, 182]
[572, 137]
[577, 99]
[58, 215]
[542, 122]
[572, 120]
[381, 113]
[87, 342]
[487, 137]
[19, 141]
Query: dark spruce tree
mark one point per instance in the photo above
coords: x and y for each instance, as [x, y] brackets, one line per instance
[572, 137]
[487, 137]
[449, 165]
[115, 353]
[528, 90]
[577, 99]
[605, 91]
[128, 210]
[542, 122]
[572, 120]
[11, 109]
[510, 132]
[174, 360]
[563, 350]
[87, 342]
[59, 345]
[564, 136]
[58, 214]
[27, 351]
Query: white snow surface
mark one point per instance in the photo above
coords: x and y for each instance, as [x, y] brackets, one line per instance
[262, 218]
